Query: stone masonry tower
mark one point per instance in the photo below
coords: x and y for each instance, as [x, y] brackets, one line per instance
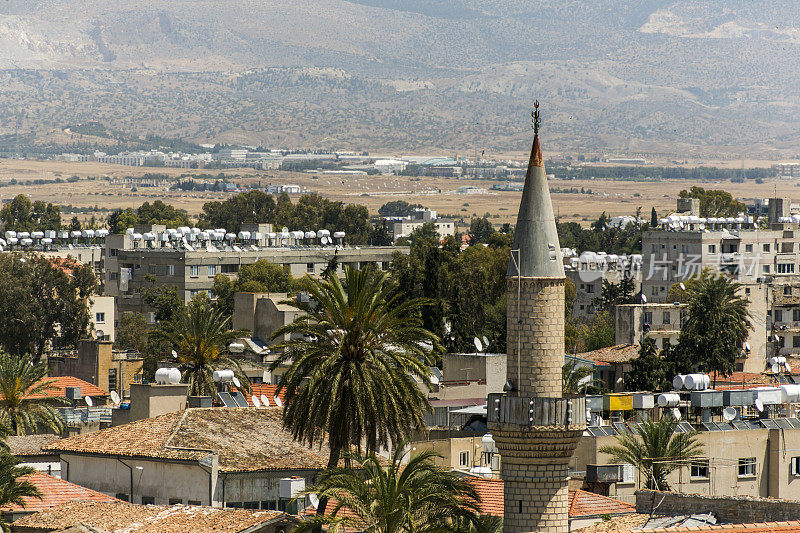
[534, 428]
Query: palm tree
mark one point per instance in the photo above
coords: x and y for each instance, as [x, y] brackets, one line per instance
[579, 379]
[200, 336]
[356, 358]
[655, 450]
[24, 405]
[716, 325]
[12, 490]
[417, 497]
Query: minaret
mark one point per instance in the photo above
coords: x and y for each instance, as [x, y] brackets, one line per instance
[535, 430]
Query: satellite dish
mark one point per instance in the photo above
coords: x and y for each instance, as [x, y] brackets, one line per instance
[88, 400]
[485, 341]
[759, 405]
[644, 299]
[237, 382]
[676, 413]
[174, 354]
[314, 499]
[284, 230]
[682, 286]
[478, 344]
[255, 400]
[114, 397]
[264, 400]
[776, 368]
[729, 413]
[278, 401]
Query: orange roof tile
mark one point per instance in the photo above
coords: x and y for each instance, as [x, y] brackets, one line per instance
[55, 492]
[118, 517]
[267, 389]
[581, 502]
[621, 353]
[763, 527]
[246, 439]
[60, 383]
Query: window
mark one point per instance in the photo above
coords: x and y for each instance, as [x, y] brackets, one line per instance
[748, 248]
[589, 289]
[787, 291]
[796, 341]
[747, 291]
[765, 269]
[747, 467]
[463, 459]
[310, 268]
[170, 270]
[112, 379]
[627, 473]
[121, 496]
[194, 271]
[175, 501]
[148, 500]
[699, 469]
[778, 315]
[234, 505]
[665, 318]
[194, 502]
[712, 248]
[212, 270]
[99, 318]
[794, 466]
[765, 248]
[785, 268]
[250, 505]
[648, 317]
[268, 505]
[796, 315]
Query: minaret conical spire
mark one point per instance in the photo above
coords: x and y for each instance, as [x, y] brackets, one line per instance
[536, 251]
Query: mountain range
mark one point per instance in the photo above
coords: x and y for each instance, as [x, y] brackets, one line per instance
[687, 77]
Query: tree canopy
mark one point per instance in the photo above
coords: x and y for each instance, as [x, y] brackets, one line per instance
[41, 304]
[714, 202]
[20, 214]
[397, 208]
[156, 213]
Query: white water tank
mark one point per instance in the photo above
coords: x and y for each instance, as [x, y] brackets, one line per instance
[669, 399]
[678, 381]
[221, 376]
[697, 381]
[168, 376]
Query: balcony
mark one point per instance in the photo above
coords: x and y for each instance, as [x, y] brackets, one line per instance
[537, 411]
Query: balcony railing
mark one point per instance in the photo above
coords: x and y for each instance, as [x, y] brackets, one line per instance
[536, 411]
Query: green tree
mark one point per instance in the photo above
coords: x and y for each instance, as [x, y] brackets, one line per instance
[75, 224]
[351, 357]
[397, 208]
[41, 304]
[14, 490]
[714, 202]
[648, 371]
[655, 450]
[163, 299]
[653, 218]
[253, 207]
[156, 213]
[599, 333]
[416, 497]
[716, 325]
[200, 335]
[20, 214]
[577, 379]
[23, 408]
[480, 231]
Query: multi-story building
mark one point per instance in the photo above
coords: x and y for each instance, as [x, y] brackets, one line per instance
[406, 225]
[190, 260]
[588, 272]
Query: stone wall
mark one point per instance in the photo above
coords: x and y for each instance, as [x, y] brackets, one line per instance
[538, 330]
[735, 509]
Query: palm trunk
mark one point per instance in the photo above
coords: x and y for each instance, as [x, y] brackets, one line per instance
[333, 460]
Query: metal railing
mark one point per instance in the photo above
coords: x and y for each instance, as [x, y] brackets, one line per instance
[536, 411]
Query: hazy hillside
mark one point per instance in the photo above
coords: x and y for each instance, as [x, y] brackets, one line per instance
[616, 75]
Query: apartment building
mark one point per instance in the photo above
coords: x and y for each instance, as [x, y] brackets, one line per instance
[405, 226]
[588, 271]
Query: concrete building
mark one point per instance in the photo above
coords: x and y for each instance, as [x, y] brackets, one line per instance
[588, 272]
[148, 400]
[217, 457]
[534, 429]
[405, 226]
[102, 315]
[97, 362]
[190, 260]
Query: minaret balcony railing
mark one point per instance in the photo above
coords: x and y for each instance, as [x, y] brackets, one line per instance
[536, 411]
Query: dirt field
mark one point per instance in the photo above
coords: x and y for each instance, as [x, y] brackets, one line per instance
[613, 197]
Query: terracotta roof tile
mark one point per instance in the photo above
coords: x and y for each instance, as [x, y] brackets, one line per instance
[620, 353]
[246, 439]
[30, 444]
[119, 517]
[60, 383]
[55, 492]
[267, 389]
[581, 502]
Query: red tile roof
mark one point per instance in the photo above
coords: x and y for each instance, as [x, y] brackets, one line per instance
[581, 502]
[763, 527]
[621, 353]
[268, 390]
[122, 517]
[60, 383]
[246, 439]
[55, 492]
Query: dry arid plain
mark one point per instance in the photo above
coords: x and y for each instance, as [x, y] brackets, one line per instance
[100, 185]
